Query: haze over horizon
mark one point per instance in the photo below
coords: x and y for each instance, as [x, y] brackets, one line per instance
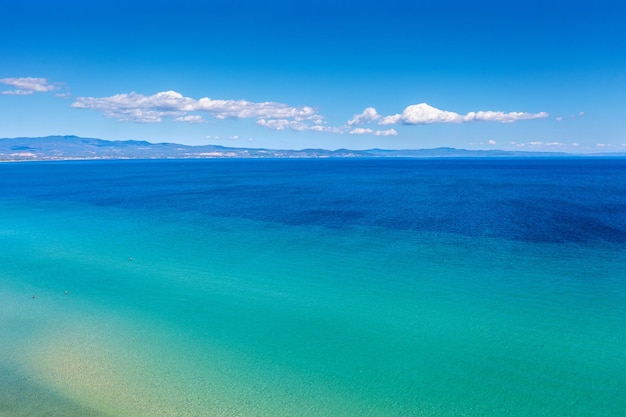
[539, 76]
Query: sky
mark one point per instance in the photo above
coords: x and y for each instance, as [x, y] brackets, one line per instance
[526, 75]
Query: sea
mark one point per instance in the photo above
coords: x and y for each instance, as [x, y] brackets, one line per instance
[313, 287]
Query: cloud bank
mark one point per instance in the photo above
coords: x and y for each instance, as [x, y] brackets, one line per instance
[423, 113]
[135, 107]
[27, 85]
[139, 108]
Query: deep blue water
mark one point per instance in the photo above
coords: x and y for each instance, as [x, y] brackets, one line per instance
[534, 200]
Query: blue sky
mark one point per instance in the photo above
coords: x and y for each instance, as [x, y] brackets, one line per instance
[525, 75]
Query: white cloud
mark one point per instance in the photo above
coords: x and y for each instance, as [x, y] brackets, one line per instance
[498, 116]
[367, 116]
[240, 109]
[422, 114]
[138, 108]
[368, 131]
[491, 142]
[314, 123]
[328, 129]
[18, 92]
[390, 120]
[388, 132]
[361, 131]
[190, 119]
[28, 85]
[134, 107]
[283, 124]
[425, 114]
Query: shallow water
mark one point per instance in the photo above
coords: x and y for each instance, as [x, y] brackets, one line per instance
[312, 287]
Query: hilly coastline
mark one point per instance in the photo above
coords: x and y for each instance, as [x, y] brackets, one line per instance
[78, 148]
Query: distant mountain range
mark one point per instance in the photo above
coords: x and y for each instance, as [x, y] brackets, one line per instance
[77, 148]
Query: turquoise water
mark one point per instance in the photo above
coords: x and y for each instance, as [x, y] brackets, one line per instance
[313, 288]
